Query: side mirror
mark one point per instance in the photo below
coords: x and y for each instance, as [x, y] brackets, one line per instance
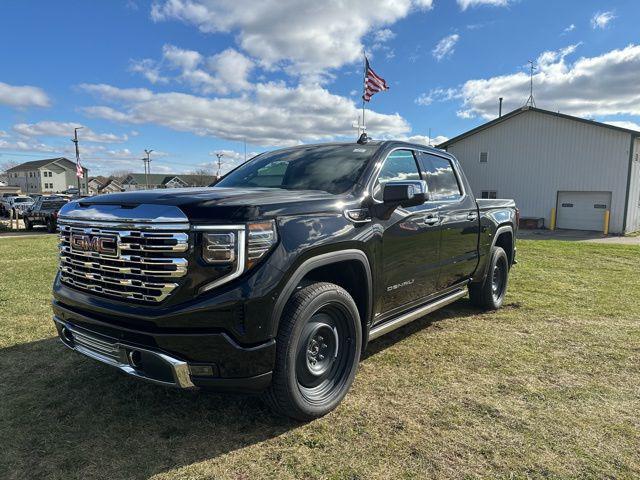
[405, 193]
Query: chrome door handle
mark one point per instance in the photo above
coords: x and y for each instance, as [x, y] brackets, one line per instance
[431, 220]
[472, 216]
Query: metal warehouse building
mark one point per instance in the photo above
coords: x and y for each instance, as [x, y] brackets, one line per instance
[547, 160]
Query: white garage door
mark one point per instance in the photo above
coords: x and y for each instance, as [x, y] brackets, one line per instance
[583, 210]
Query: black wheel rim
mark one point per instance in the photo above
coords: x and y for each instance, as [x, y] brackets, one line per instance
[325, 353]
[499, 279]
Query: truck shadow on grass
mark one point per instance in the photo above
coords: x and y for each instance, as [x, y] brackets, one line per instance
[65, 416]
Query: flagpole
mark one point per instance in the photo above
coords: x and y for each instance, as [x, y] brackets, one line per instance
[364, 86]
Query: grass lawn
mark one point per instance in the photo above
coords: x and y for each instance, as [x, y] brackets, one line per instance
[547, 387]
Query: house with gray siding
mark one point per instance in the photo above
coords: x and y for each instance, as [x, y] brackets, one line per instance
[552, 163]
[52, 175]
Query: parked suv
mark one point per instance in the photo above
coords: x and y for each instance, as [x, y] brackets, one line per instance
[5, 201]
[275, 279]
[44, 212]
[18, 205]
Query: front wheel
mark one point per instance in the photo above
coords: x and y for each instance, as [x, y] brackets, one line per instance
[317, 352]
[490, 294]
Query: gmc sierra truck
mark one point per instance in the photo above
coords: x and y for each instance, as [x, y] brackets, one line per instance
[275, 279]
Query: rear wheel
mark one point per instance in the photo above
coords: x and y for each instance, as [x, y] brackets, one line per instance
[318, 349]
[490, 294]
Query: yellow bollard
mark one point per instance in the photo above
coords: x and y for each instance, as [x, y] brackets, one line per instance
[607, 214]
[552, 226]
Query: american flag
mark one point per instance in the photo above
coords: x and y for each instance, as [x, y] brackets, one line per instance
[79, 172]
[373, 83]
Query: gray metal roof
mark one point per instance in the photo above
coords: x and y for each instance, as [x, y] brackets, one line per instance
[521, 110]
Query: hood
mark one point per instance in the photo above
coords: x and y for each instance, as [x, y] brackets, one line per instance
[210, 204]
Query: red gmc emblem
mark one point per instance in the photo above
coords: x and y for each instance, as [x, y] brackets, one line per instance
[106, 245]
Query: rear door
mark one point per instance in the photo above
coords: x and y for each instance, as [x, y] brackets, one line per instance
[411, 240]
[458, 220]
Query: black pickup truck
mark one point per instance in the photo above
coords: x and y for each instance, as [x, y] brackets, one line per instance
[275, 279]
[44, 212]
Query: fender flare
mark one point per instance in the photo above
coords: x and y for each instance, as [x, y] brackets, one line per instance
[321, 261]
[499, 231]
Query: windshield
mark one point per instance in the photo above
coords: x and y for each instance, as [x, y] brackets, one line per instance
[328, 168]
[22, 200]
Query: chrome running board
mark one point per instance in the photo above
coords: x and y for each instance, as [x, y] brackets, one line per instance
[398, 322]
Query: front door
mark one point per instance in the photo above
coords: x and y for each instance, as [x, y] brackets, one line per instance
[411, 241]
[459, 223]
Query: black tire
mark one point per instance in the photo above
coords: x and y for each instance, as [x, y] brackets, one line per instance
[51, 225]
[317, 352]
[490, 294]
[27, 224]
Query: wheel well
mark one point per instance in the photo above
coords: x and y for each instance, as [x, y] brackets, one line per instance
[350, 275]
[505, 240]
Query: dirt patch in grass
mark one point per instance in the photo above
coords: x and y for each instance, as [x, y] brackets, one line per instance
[546, 387]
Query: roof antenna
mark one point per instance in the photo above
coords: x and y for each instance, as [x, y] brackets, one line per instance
[363, 139]
[530, 101]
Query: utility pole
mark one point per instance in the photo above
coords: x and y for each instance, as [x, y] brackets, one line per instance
[75, 141]
[147, 166]
[219, 155]
[530, 100]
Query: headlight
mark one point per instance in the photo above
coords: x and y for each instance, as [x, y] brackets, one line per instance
[261, 238]
[219, 248]
[226, 247]
[238, 247]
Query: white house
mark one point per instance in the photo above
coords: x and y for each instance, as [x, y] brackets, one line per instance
[547, 160]
[53, 175]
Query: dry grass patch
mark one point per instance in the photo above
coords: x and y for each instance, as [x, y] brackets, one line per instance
[546, 387]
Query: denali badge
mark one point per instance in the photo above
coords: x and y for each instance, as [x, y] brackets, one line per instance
[400, 285]
[106, 245]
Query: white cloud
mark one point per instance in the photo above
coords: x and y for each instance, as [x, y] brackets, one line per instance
[425, 140]
[274, 115]
[601, 20]
[445, 46]
[464, 4]
[23, 96]
[23, 146]
[118, 94]
[570, 28]
[436, 95]
[225, 72]
[149, 69]
[304, 36]
[603, 85]
[383, 35]
[625, 124]
[65, 129]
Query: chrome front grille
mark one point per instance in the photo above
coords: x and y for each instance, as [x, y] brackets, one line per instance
[145, 265]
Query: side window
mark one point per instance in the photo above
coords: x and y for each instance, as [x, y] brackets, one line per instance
[399, 165]
[441, 179]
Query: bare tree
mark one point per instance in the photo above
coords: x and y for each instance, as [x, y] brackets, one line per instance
[6, 165]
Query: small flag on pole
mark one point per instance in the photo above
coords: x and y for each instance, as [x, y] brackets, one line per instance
[373, 83]
[79, 172]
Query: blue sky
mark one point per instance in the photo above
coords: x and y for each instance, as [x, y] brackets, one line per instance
[189, 78]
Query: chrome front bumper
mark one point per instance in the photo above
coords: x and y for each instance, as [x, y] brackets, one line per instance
[148, 365]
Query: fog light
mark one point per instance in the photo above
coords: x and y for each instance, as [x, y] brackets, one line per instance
[201, 370]
[66, 334]
[135, 358]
